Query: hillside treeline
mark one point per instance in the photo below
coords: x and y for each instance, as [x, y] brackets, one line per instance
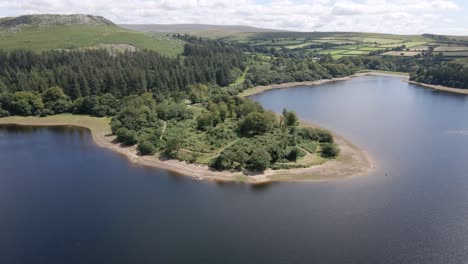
[97, 72]
[452, 74]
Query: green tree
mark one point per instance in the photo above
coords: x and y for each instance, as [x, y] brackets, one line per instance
[146, 148]
[256, 123]
[330, 150]
[172, 146]
[290, 118]
[259, 160]
[26, 103]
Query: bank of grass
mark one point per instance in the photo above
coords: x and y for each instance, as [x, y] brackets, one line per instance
[95, 124]
[384, 73]
[80, 36]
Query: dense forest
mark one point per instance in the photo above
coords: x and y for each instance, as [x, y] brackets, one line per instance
[96, 72]
[451, 74]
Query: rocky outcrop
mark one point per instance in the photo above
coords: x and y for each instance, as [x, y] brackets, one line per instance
[17, 23]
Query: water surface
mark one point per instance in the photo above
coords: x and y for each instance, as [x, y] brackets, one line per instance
[65, 200]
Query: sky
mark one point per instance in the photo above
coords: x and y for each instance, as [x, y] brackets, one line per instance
[448, 17]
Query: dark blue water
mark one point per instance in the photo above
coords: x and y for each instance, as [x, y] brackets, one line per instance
[64, 200]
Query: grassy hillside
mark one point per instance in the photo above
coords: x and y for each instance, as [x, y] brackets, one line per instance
[40, 38]
[212, 31]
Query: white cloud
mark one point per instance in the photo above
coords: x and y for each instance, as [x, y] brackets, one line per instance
[391, 16]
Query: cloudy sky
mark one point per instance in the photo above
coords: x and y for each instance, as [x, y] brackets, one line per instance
[389, 16]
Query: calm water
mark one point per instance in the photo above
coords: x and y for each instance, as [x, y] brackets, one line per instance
[64, 200]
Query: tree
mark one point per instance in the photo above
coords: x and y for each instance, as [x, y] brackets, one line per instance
[255, 123]
[259, 160]
[198, 92]
[172, 146]
[146, 148]
[290, 118]
[204, 121]
[26, 103]
[127, 137]
[330, 150]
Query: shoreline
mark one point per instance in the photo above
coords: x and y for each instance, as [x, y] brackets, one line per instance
[352, 160]
[441, 88]
[261, 89]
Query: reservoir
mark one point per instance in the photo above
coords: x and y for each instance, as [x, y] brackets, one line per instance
[65, 200]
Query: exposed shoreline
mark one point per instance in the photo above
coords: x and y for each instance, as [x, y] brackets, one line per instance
[352, 161]
[261, 89]
[441, 88]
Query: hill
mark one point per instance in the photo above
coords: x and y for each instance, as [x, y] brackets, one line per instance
[48, 32]
[198, 29]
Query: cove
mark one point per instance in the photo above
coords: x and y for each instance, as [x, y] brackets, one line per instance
[65, 200]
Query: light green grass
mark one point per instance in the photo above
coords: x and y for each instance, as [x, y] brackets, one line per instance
[387, 72]
[240, 80]
[79, 36]
[95, 124]
[356, 52]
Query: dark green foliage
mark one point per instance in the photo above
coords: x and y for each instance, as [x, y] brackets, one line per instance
[330, 150]
[259, 160]
[170, 110]
[172, 146]
[205, 121]
[96, 72]
[4, 113]
[290, 118]
[25, 104]
[230, 159]
[198, 93]
[46, 112]
[316, 134]
[146, 148]
[452, 74]
[295, 154]
[127, 137]
[56, 101]
[256, 123]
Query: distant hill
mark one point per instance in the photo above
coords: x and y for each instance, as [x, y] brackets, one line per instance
[46, 32]
[186, 28]
[198, 29]
[17, 23]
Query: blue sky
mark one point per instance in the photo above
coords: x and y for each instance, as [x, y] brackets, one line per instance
[386, 16]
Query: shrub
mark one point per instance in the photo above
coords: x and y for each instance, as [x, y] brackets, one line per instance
[46, 112]
[295, 154]
[146, 148]
[256, 123]
[330, 150]
[4, 113]
[259, 160]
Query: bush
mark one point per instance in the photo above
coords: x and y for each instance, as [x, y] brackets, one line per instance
[172, 146]
[259, 160]
[46, 112]
[128, 137]
[256, 123]
[330, 150]
[146, 148]
[295, 154]
[4, 113]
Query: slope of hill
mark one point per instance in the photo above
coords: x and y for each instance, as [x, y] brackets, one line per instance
[46, 32]
[198, 29]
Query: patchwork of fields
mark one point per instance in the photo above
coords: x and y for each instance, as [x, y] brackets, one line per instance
[351, 44]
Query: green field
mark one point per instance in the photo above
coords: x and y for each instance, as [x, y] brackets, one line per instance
[79, 36]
